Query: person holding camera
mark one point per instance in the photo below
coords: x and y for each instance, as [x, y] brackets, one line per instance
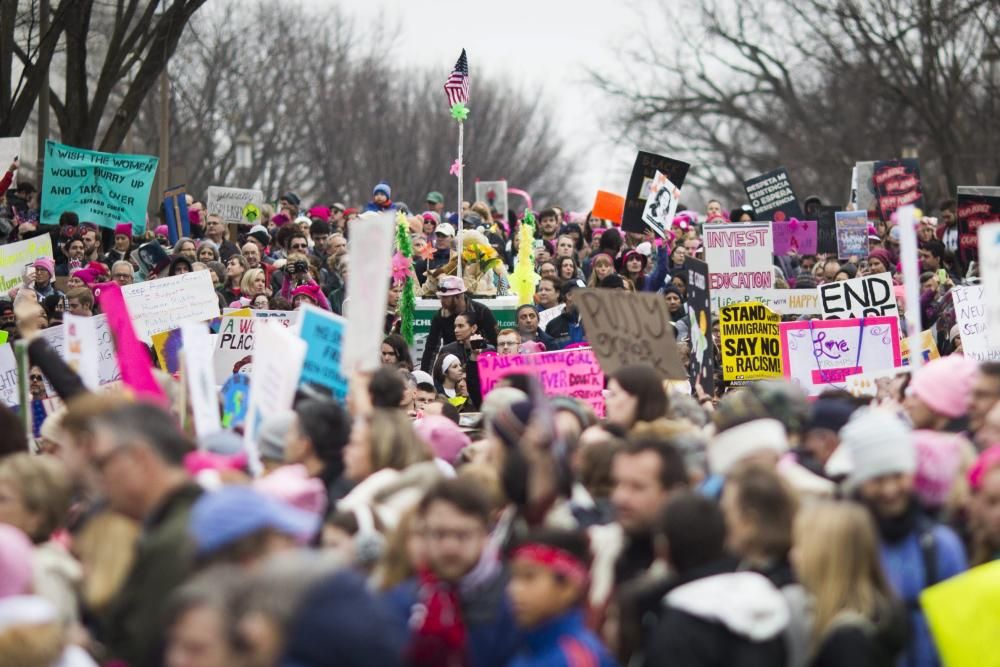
[468, 345]
[297, 275]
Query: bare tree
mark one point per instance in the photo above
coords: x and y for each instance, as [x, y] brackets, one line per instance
[817, 86]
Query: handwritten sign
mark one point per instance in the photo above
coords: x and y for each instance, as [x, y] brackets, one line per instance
[235, 206]
[103, 188]
[772, 197]
[575, 372]
[750, 342]
[821, 354]
[870, 296]
[233, 347]
[133, 357]
[630, 328]
[8, 376]
[852, 234]
[368, 291]
[897, 184]
[14, 257]
[799, 236]
[979, 341]
[107, 360]
[323, 333]
[739, 255]
[781, 301]
[81, 348]
[640, 183]
[661, 205]
[166, 303]
[989, 271]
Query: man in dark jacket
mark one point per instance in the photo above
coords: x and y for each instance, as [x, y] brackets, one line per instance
[567, 328]
[137, 454]
[712, 615]
[451, 292]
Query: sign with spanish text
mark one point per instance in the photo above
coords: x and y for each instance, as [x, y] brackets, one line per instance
[979, 341]
[574, 372]
[852, 234]
[772, 197]
[794, 236]
[976, 207]
[630, 328]
[739, 256]
[16, 257]
[897, 184]
[870, 296]
[641, 182]
[236, 206]
[820, 355]
[750, 342]
[103, 188]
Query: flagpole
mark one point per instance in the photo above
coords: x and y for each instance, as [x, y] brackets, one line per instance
[461, 168]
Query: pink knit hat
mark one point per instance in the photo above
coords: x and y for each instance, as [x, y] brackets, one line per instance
[46, 263]
[443, 436]
[939, 456]
[945, 384]
[124, 229]
[279, 219]
[15, 561]
[321, 212]
[161, 230]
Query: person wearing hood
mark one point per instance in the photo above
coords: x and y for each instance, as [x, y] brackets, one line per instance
[712, 614]
[916, 551]
[567, 327]
[381, 199]
[179, 265]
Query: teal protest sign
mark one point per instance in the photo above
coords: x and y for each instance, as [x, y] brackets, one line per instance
[324, 334]
[103, 188]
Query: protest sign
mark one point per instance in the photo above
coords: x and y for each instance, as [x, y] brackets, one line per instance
[739, 255]
[897, 183]
[819, 355]
[574, 372]
[550, 314]
[795, 235]
[167, 347]
[494, 193]
[852, 234]
[368, 292]
[963, 614]
[107, 360]
[772, 197]
[235, 206]
[199, 377]
[176, 212]
[869, 296]
[14, 257]
[928, 347]
[826, 229]
[133, 357]
[781, 301]
[699, 311]
[976, 207]
[867, 199]
[103, 188]
[235, 400]
[234, 346]
[10, 148]
[287, 318]
[989, 271]
[166, 303]
[277, 362]
[323, 333]
[643, 172]
[630, 328]
[3, 337]
[907, 223]
[661, 205]
[979, 341]
[8, 376]
[751, 346]
[81, 349]
[608, 206]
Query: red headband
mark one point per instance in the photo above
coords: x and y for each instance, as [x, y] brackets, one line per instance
[559, 561]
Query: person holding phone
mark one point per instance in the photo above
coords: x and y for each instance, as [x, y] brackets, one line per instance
[468, 345]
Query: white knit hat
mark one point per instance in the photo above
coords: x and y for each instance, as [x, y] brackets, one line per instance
[878, 443]
[735, 444]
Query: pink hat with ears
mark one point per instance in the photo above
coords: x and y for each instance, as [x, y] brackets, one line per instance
[442, 435]
[279, 219]
[124, 229]
[161, 230]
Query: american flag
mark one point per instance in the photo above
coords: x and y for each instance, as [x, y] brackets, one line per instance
[457, 85]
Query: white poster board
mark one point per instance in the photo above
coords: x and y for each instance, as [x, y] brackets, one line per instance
[979, 341]
[740, 256]
[368, 291]
[166, 303]
[235, 206]
[204, 397]
[14, 257]
[868, 296]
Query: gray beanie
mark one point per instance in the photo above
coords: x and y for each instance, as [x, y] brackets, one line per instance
[271, 435]
[877, 443]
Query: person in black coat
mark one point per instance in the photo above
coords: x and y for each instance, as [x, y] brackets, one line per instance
[451, 292]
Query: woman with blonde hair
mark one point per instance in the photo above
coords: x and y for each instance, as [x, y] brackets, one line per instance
[857, 620]
[252, 284]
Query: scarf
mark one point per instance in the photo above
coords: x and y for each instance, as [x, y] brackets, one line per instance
[439, 634]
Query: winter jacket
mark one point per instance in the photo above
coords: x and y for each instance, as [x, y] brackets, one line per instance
[134, 620]
[442, 332]
[486, 611]
[853, 640]
[733, 619]
[565, 329]
[471, 369]
[562, 642]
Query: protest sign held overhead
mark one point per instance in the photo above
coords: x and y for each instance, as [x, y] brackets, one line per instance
[608, 206]
[826, 229]
[989, 271]
[976, 206]
[750, 342]
[661, 205]
[772, 197]
[574, 372]
[867, 198]
[820, 355]
[797, 237]
[897, 184]
[323, 334]
[870, 296]
[15, 257]
[103, 188]
[739, 256]
[367, 292]
[643, 173]
[236, 206]
[494, 193]
[628, 329]
[852, 234]
[699, 312]
[979, 340]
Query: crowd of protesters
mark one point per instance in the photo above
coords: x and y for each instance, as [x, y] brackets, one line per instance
[424, 523]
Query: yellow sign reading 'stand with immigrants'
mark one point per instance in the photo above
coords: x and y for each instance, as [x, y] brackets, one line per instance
[751, 346]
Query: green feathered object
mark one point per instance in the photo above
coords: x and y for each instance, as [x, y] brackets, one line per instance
[408, 301]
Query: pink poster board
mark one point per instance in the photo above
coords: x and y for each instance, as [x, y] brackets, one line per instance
[574, 372]
[798, 235]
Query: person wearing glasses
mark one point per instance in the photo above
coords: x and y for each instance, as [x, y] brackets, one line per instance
[508, 341]
[123, 273]
[36, 384]
[215, 231]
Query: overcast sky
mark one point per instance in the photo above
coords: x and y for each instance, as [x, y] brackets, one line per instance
[548, 43]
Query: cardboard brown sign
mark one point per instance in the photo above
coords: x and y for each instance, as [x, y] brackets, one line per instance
[630, 328]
